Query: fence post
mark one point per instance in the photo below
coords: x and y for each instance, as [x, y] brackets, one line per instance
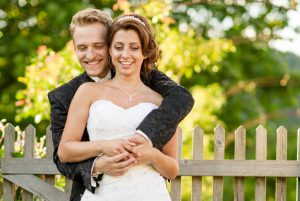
[219, 150]
[261, 154]
[197, 155]
[49, 154]
[281, 154]
[176, 183]
[28, 154]
[9, 148]
[239, 154]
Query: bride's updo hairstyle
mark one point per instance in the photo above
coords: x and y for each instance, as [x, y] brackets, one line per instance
[146, 34]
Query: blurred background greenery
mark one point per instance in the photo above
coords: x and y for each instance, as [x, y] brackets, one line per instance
[225, 52]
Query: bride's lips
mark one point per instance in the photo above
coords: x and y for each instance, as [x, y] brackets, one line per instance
[126, 64]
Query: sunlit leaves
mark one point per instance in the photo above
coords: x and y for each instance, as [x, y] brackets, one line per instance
[209, 101]
[186, 54]
[47, 71]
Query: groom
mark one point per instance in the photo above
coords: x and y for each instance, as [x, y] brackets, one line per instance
[88, 29]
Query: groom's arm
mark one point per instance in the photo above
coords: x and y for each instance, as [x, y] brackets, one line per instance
[79, 170]
[160, 124]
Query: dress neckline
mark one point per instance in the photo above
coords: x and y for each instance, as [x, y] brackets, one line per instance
[111, 102]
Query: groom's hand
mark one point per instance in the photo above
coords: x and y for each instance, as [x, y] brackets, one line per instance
[115, 165]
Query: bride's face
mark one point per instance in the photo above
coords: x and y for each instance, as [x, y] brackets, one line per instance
[126, 52]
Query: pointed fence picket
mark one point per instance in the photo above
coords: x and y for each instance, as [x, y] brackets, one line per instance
[36, 176]
[197, 155]
[261, 155]
[239, 154]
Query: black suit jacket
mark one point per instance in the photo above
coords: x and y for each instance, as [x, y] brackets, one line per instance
[159, 125]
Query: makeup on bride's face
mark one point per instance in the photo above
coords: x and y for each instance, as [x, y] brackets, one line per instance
[126, 52]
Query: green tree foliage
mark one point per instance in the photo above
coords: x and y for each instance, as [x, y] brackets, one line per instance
[219, 51]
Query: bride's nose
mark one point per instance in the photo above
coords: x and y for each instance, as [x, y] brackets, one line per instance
[125, 52]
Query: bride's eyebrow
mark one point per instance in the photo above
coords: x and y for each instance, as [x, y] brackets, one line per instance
[135, 43]
[117, 43]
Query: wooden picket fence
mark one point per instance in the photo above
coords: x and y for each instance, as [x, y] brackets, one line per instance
[26, 172]
[239, 168]
[22, 172]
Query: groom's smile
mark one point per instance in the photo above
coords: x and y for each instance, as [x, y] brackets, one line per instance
[91, 49]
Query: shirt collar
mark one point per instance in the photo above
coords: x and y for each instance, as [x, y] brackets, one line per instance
[98, 79]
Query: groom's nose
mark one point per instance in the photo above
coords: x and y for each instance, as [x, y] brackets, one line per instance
[90, 53]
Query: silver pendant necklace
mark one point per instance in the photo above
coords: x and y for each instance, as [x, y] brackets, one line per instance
[126, 92]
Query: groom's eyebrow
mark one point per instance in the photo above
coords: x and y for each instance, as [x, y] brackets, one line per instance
[80, 45]
[100, 43]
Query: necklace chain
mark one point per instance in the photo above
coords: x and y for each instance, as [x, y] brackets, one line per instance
[126, 92]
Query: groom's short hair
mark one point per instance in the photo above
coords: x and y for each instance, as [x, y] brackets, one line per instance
[89, 16]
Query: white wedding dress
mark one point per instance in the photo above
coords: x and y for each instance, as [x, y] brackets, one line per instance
[142, 182]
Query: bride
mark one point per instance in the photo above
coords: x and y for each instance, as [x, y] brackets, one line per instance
[113, 109]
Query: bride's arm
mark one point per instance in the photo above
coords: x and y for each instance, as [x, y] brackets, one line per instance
[165, 161]
[71, 148]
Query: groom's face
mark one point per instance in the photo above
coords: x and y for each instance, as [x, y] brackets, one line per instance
[91, 48]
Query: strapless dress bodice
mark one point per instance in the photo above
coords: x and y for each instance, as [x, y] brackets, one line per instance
[142, 182]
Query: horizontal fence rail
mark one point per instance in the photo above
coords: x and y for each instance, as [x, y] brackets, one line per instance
[22, 171]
